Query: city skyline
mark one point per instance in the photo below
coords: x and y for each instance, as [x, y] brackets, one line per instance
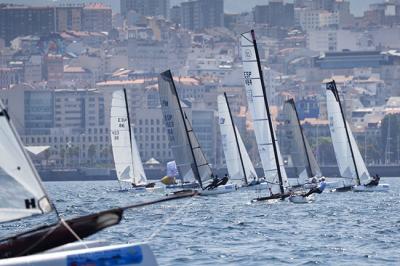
[231, 6]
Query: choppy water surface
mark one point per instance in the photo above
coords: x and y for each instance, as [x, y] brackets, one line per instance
[337, 229]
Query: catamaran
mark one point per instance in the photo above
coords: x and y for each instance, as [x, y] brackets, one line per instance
[128, 164]
[23, 195]
[300, 152]
[186, 149]
[268, 148]
[237, 159]
[351, 165]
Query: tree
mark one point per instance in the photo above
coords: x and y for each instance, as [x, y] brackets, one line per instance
[92, 153]
[46, 155]
[62, 156]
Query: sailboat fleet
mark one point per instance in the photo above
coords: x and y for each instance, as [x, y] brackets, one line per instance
[51, 245]
[191, 163]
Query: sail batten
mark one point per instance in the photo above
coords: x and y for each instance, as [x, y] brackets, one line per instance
[256, 96]
[128, 163]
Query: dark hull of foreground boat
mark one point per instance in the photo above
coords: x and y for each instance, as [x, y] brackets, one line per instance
[52, 236]
[47, 237]
[272, 197]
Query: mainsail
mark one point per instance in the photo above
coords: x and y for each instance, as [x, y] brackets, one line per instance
[21, 191]
[188, 155]
[128, 163]
[348, 156]
[237, 159]
[298, 147]
[268, 147]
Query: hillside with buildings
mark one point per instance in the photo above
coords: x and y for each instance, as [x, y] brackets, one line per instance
[60, 63]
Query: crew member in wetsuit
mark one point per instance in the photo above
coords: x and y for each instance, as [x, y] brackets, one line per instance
[214, 183]
[374, 181]
[319, 189]
[253, 182]
[224, 180]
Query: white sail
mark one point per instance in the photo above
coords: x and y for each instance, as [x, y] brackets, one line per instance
[128, 163]
[341, 143]
[231, 149]
[257, 106]
[360, 164]
[172, 170]
[187, 152]
[21, 191]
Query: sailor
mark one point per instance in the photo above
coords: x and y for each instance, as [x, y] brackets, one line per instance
[253, 182]
[374, 181]
[214, 183]
[224, 180]
[319, 189]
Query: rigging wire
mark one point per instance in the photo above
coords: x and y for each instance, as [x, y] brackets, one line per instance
[168, 220]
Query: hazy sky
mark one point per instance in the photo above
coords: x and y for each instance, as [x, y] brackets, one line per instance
[231, 6]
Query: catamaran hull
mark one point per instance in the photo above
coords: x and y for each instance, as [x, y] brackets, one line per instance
[342, 189]
[143, 189]
[219, 190]
[261, 186]
[300, 199]
[184, 186]
[126, 255]
[378, 188]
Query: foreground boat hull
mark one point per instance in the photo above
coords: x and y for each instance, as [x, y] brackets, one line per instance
[219, 190]
[378, 188]
[51, 236]
[126, 254]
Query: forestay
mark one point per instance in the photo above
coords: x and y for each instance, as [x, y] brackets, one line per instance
[21, 191]
[340, 141]
[231, 148]
[188, 155]
[203, 167]
[128, 163]
[299, 149]
[258, 110]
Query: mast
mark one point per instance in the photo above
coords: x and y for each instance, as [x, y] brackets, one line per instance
[236, 139]
[130, 129]
[196, 170]
[278, 168]
[332, 87]
[291, 102]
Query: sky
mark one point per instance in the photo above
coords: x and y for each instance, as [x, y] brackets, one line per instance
[231, 6]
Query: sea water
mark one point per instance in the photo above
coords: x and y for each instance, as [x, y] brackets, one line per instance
[337, 229]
